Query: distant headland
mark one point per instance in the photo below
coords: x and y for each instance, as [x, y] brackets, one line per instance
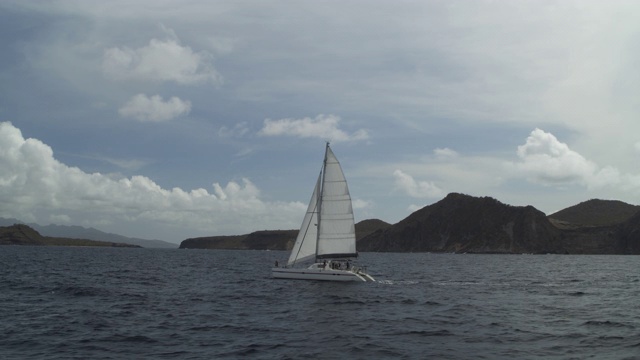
[20, 234]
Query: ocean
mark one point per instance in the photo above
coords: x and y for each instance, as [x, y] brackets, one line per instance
[121, 303]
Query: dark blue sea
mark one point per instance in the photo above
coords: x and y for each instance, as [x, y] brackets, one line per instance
[113, 303]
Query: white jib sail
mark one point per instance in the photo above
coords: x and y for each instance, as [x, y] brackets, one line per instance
[305, 245]
[337, 233]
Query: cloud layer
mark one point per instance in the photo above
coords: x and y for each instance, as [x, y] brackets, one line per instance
[32, 181]
[443, 96]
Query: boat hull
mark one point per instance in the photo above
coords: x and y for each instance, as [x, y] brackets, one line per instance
[320, 274]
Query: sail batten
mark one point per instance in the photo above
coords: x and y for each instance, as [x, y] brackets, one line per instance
[337, 256]
[336, 237]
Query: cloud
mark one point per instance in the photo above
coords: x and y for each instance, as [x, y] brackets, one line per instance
[161, 60]
[445, 153]
[33, 182]
[546, 160]
[323, 126]
[238, 130]
[144, 108]
[421, 189]
[361, 204]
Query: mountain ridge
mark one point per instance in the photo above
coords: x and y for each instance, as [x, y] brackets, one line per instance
[461, 223]
[21, 234]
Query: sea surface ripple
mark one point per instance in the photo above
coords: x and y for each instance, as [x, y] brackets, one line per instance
[79, 303]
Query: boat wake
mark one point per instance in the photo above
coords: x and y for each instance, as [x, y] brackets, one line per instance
[397, 282]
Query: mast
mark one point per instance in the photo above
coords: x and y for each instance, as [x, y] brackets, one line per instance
[319, 200]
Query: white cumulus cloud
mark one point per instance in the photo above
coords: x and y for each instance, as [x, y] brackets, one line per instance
[33, 183]
[160, 60]
[549, 161]
[416, 189]
[546, 160]
[323, 126]
[154, 108]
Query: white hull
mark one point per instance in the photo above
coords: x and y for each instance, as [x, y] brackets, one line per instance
[318, 273]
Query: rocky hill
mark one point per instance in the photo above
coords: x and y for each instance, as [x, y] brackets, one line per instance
[20, 234]
[599, 227]
[461, 223]
[627, 235]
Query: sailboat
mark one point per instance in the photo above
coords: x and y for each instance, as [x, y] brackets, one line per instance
[327, 236]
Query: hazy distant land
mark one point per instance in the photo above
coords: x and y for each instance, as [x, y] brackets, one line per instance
[79, 232]
[20, 234]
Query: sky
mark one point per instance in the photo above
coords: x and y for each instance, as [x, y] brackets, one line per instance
[170, 119]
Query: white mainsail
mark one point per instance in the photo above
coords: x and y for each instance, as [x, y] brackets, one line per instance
[337, 233]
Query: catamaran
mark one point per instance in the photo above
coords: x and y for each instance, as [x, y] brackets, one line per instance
[327, 237]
